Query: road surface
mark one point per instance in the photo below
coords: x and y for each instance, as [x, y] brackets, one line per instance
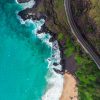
[78, 35]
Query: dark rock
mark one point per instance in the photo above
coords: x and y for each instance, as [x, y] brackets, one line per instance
[43, 29]
[24, 14]
[58, 71]
[55, 64]
[31, 13]
[36, 3]
[23, 1]
[52, 39]
[53, 55]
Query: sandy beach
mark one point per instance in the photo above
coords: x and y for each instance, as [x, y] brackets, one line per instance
[70, 90]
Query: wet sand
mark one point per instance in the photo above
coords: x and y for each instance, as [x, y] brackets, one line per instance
[70, 90]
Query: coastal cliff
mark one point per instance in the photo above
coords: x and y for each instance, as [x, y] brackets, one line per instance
[56, 25]
[87, 17]
[74, 58]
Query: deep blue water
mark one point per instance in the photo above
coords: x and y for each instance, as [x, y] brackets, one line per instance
[23, 64]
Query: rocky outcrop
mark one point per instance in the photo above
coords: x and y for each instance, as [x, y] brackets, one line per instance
[23, 1]
[45, 9]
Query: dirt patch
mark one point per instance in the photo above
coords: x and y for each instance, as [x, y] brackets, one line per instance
[70, 64]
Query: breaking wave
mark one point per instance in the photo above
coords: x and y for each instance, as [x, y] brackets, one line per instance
[54, 86]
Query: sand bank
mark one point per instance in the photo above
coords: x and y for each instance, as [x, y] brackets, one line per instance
[70, 90]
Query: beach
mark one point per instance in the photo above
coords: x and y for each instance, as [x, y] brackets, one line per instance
[70, 90]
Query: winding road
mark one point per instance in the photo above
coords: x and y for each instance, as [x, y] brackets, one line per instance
[77, 34]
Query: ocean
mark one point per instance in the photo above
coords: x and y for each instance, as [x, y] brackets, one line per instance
[26, 61]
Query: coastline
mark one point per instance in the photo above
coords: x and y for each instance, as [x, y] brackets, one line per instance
[29, 14]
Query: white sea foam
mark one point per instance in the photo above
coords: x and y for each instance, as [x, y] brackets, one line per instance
[20, 19]
[16, 1]
[55, 81]
[45, 38]
[29, 4]
[54, 88]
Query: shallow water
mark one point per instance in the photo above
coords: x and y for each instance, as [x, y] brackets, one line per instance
[23, 64]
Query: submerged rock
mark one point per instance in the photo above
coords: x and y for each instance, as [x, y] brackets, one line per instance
[58, 71]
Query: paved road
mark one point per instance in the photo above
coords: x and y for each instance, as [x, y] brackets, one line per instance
[78, 35]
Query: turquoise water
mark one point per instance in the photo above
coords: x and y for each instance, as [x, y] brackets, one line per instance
[23, 64]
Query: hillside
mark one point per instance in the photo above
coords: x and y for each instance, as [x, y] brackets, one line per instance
[87, 17]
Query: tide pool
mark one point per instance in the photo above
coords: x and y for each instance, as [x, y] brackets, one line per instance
[23, 56]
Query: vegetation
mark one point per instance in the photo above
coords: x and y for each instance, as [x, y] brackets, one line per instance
[87, 16]
[95, 11]
[60, 36]
[87, 73]
[69, 47]
[60, 11]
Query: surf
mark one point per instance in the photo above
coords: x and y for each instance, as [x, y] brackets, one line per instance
[26, 64]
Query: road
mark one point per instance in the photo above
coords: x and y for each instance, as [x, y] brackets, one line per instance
[78, 35]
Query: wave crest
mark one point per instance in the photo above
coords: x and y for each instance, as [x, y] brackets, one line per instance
[54, 81]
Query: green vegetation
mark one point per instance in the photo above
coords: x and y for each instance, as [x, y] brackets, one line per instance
[87, 16]
[60, 11]
[69, 52]
[69, 48]
[95, 11]
[88, 75]
[60, 36]
[90, 29]
[54, 9]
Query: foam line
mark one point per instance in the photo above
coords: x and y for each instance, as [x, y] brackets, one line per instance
[54, 81]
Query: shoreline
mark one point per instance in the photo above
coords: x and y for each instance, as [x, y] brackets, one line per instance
[29, 14]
